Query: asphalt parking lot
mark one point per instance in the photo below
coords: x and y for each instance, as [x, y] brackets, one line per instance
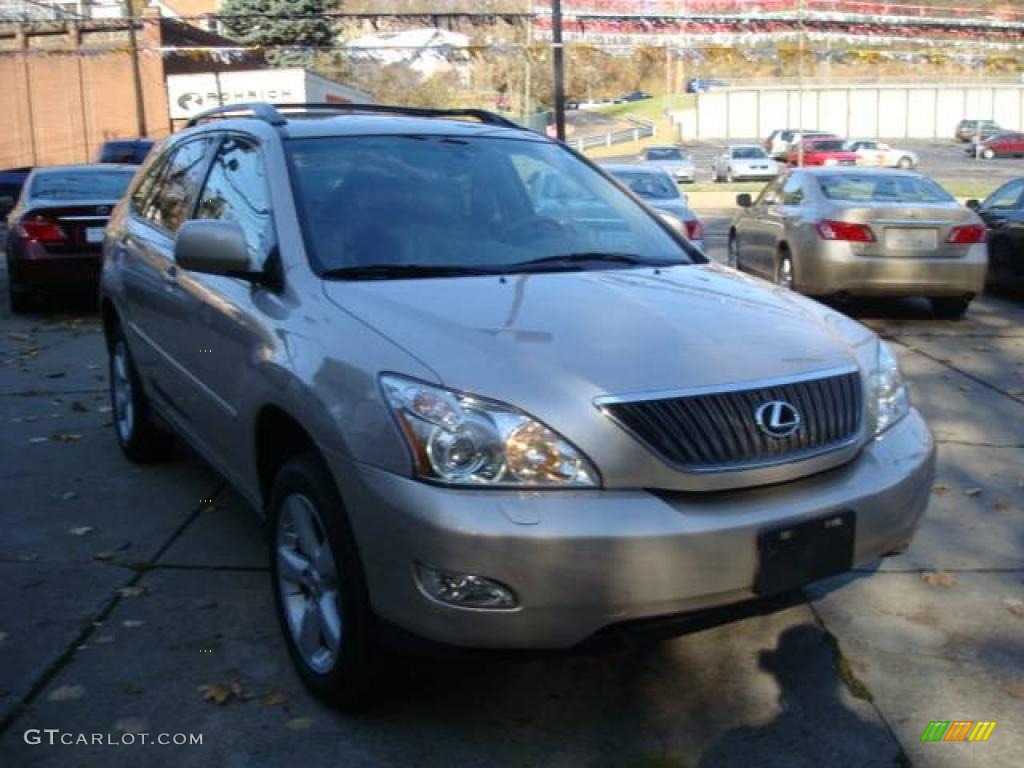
[943, 159]
[137, 601]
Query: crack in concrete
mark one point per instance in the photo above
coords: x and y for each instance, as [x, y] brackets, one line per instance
[90, 625]
[971, 444]
[853, 684]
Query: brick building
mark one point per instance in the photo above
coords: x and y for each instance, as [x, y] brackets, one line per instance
[69, 85]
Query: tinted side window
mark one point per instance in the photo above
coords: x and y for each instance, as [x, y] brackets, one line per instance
[1007, 198]
[792, 191]
[171, 201]
[236, 190]
[144, 188]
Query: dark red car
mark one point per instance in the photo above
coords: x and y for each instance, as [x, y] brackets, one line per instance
[1005, 144]
[55, 231]
[823, 152]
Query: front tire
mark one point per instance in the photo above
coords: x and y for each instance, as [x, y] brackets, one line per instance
[140, 438]
[950, 308]
[905, 163]
[988, 153]
[319, 587]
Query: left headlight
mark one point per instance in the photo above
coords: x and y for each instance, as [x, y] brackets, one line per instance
[461, 439]
[888, 400]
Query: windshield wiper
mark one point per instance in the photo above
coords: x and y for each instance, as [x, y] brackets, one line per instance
[578, 260]
[398, 271]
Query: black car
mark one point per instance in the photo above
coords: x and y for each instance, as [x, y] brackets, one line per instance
[1003, 212]
[57, 226]
[126, 151]
[636, 96]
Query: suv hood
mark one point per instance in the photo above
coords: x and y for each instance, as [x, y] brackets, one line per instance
[532, 339]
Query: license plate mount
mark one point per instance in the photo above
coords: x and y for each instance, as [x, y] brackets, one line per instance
[794, 555]
[911, 239]
[94, 234]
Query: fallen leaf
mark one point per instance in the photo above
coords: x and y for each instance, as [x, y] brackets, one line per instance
[79, 407]
[67, 693]
[1016, 607]
[132, 623]
[15, 336]
[218, 693]
[972, 491]
[240, 693]
[80, 530]
[271, 698]
[299, 724]
[939, 579]
[65, 437]
[981, 348]
[132, 689]
[131, 725]
[104, 409]
[39, 440]
[1001, 506]
[57, 375]
[132, 591]
[68, 495]
[940, 489]
[29, 557]
[964, 388]
[103, 557]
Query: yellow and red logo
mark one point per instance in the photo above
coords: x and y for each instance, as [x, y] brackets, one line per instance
[958, 730]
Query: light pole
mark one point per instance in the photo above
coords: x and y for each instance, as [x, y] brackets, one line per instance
[559, 64]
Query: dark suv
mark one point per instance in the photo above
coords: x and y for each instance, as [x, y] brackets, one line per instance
[969, 130]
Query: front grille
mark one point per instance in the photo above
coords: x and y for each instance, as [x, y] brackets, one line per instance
[719, 431]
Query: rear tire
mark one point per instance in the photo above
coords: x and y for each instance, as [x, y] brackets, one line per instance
[319, 587]
[905, 163]
[140, 438]
[733, 251]
[20, 301]
[988, 153]
[950, 308]
[784, 271]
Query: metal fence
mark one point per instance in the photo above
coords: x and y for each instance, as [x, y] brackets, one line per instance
[641, 129]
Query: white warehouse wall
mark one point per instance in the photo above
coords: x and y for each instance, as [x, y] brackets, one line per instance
[921, 111]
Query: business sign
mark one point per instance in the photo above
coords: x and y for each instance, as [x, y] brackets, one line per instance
[188, 95]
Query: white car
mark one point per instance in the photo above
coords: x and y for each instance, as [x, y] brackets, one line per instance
[878, 155]
[744, 162]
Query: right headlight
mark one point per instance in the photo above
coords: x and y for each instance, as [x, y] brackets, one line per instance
[888, 400]
[460, 439]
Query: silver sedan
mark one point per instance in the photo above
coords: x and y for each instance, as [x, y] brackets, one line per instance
[862, 232]
[744, 162]
[676, 161]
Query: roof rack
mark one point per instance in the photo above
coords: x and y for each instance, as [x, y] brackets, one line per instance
[275, 113]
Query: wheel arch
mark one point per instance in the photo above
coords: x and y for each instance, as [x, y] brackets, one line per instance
[278, 437]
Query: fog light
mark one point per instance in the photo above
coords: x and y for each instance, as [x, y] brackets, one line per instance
[464, 589]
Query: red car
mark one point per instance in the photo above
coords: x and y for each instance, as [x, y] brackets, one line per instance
[1006, 144]
[55, 233]
[823, 152]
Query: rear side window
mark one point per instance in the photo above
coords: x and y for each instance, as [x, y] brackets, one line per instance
[792, 191]
[882, 187]
[1007, 198]
[236, 190]
[176, 186]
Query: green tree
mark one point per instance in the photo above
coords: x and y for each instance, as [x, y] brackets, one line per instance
[300, 25]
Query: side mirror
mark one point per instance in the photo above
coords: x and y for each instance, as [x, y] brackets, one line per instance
[973, 204]
[214, 247]
[744, 200]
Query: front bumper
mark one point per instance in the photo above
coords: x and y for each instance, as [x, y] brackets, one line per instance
[833, 268]
[580, 561]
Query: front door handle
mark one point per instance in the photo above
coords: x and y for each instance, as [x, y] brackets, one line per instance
[170, 276]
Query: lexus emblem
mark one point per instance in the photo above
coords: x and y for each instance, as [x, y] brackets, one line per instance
[777, 418]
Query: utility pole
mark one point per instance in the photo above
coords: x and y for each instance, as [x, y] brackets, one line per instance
[800, 78]
[140, 107]
[559, 64]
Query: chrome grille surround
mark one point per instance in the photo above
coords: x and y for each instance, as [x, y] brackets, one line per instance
[714, 429]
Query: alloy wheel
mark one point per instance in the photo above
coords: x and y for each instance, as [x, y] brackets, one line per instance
[307, 578]
[121, 383]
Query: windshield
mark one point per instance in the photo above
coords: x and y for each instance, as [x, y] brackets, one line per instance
[484, 203]
[748, 153]
[665, 153]
[882, 188]
[825, 146]
[653, 186]
[80, 185]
